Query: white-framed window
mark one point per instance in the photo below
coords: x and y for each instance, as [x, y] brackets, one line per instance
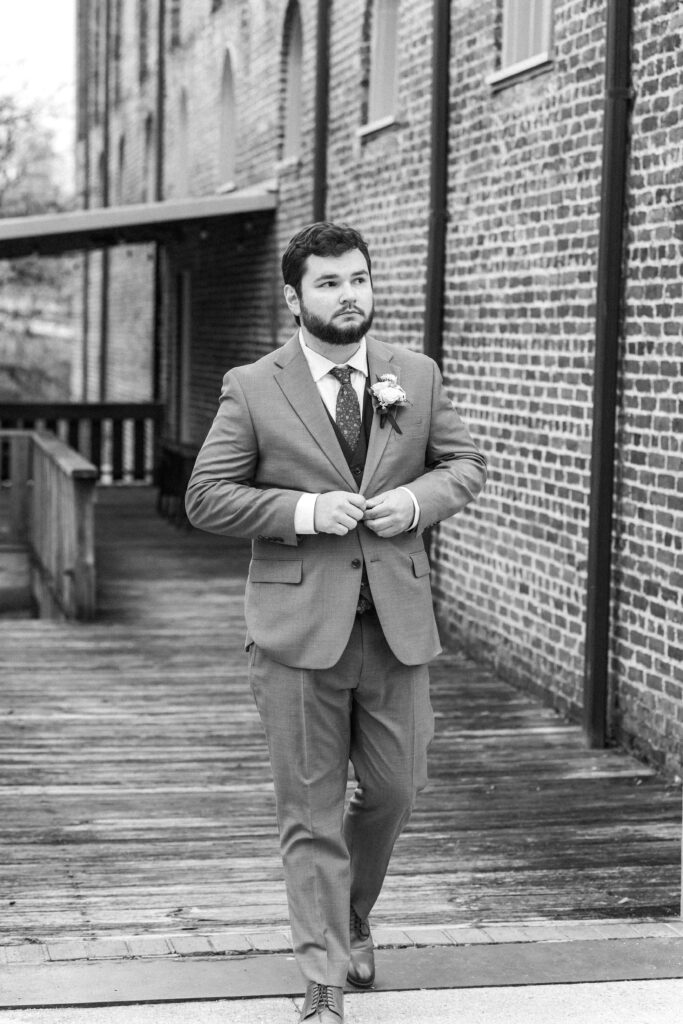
[183, 146]
[525, 37]
[121, 175]
[148, 160]
[382, 96]
[117, 49]
[292, 75]
[143, 39]
[227, 152]
[175, 26]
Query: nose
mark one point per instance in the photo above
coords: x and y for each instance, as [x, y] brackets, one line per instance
[348, 293]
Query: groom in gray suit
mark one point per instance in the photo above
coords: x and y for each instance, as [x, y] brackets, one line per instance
[333, 454]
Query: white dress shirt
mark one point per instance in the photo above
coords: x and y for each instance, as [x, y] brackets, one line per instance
[328, 388]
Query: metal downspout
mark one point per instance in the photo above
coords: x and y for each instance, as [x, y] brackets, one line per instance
[618, 98]
[84, 17]
[322, 83]
[158, 196]
[438, 181]
[104, 297]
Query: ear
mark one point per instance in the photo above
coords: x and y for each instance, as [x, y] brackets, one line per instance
[292, 300]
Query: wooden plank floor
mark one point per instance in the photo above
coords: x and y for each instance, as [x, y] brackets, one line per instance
[135, 795]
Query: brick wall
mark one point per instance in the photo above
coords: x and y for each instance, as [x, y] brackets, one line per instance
[523, 197]
[379, 182]
[647, 663]
[520, 286]
[519, 341]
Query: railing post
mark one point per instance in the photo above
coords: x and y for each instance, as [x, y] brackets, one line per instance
[84, 553]
[20, 465]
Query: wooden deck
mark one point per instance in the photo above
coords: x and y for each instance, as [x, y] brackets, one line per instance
[135, 794]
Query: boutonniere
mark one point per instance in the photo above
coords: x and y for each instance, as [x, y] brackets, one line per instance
[388, 394]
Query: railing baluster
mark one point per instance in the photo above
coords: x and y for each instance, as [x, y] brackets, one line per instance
[73, 434]
[139, 450]
[129, 431]
[96, 443]
[117, 450]
[19, 448]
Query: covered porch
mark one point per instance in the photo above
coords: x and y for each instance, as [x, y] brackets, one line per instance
[136, 796]
[147, 401]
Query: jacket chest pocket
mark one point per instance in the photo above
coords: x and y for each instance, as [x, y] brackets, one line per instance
[413, 428]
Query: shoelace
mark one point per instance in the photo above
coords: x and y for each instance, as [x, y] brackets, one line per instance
[359, 926]
[321, 998]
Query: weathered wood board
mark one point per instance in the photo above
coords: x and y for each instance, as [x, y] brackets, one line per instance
[135, 793]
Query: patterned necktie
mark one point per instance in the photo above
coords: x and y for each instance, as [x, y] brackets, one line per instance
[348, 408]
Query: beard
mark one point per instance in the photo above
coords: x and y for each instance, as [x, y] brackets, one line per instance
[335, 333]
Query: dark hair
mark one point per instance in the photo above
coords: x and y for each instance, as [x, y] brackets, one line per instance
[320, 239]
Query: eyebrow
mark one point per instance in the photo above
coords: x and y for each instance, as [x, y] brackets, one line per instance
[335, 277]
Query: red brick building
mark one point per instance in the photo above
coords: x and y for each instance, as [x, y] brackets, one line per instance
[472, 143]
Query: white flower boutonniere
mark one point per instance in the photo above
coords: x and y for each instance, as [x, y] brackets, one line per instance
[388, 394]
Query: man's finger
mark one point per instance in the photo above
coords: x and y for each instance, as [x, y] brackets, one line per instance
[355, 512]
[374, 511]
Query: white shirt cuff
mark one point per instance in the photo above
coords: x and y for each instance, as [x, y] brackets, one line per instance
[416, 507]
[304, 514]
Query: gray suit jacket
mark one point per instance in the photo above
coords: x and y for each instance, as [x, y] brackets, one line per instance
[271, 441]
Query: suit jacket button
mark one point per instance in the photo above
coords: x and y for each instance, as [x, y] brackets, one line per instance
[356, 563]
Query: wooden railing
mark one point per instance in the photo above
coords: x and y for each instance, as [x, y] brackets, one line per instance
[120, 439]
[50, 492]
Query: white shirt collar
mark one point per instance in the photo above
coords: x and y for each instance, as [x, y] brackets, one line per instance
[320, 366]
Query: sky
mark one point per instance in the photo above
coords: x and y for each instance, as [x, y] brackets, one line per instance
[38, 63]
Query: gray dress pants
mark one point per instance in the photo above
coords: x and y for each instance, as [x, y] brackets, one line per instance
[370, 709]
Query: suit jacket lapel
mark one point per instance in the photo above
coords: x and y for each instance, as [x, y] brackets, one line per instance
[379, 362]
[298, 387]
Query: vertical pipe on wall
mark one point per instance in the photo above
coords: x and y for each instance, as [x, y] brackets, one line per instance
[85, 37]
[618, 97]
[322, 83]
[106, 112]
[438, 181]
[158, 196]
[160, 102]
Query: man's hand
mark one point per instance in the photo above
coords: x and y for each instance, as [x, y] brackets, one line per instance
[390, 513]
[338, 512]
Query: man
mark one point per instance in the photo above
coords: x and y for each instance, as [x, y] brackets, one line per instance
[335, 485]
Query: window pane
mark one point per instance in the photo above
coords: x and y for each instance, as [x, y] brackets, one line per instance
[526, 30]
[384, 69]
[293, 97]
[226, 155]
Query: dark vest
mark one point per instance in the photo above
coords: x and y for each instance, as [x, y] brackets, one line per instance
[356, 458]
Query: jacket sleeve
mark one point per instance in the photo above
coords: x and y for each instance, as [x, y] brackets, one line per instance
[222, 496]
[455, 468]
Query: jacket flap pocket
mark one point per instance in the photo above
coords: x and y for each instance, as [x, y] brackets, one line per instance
[420, 562]
[275, 570]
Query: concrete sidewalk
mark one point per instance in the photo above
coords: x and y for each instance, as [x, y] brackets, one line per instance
[636, 1002]
[528, 978]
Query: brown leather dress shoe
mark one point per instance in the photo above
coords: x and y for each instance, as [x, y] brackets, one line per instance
[323, 1004]
[362, 958]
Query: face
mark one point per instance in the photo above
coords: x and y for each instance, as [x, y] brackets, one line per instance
[336, 302]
